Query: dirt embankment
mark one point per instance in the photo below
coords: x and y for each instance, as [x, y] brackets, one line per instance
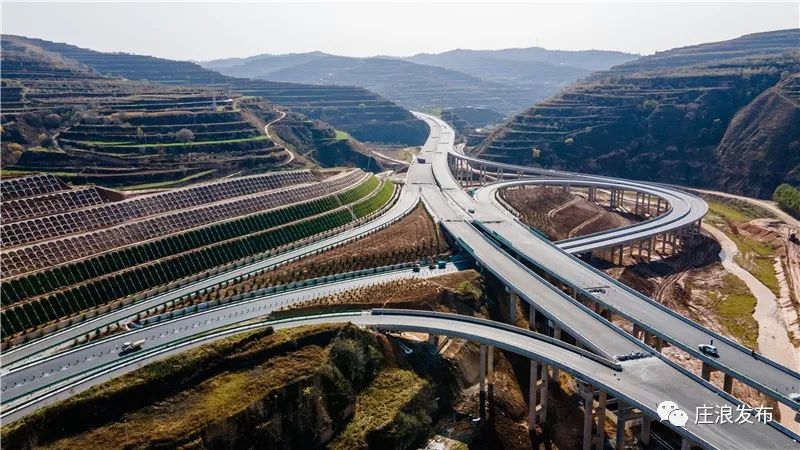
[414, 237]
[561, 215]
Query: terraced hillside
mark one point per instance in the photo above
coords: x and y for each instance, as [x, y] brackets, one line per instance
[65, 119]
[66, 252]
[363, 114]
[422, 86]
[663, 117]
[323, 144]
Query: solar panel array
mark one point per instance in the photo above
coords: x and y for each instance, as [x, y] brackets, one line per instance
[106, 215]
[14, 188]
[50, 203]
[57, 251]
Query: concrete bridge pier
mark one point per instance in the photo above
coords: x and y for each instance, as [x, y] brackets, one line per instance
[727, 383]
[705, 372]
[593, 417]
[486, 379]
[592, 193]
[512, 306]
[556, 335]
[482, 382]
[622, 412]
[587, 391]
[644, 433]
[533, 395]
[727, 380]
[532, 318]
[637, 331]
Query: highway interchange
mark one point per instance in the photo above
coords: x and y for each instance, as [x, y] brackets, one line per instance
[642, 383]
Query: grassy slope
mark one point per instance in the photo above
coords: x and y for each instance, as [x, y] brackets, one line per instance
[379, 405]
[754, 256]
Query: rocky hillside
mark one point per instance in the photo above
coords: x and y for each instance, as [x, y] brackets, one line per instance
[333, 386]
[761, 147]
[363, 114]
[679, 116]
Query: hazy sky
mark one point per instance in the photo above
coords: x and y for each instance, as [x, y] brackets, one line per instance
[201, 31]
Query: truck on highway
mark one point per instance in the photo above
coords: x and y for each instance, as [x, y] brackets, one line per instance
[130, 347]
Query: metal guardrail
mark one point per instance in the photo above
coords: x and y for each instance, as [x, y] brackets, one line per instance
[598, 348]
[664, 309]
[243, 276]
[609, 362]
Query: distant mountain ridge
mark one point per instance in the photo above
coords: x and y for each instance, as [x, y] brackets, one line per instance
[461, 78]
[693, 115]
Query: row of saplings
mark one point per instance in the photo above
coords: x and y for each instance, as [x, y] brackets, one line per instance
[173, 258]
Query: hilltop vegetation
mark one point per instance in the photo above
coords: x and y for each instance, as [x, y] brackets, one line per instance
[718, 115]
[788, 198]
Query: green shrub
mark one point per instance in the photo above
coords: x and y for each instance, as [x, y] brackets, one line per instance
[788, 199]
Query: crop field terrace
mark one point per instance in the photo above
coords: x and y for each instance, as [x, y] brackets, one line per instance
[66, 262]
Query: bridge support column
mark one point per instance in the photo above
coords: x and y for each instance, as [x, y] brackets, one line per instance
[556, 335]
[588, 415]
[621, 248]
[644, 434]
[545, 388]
[727, 383]
[532, 318]
[600, 436]
[659, 343]
[592, 194]
[533, 395]
[512, 307]
[658, 207]
[622, 411]
[482, 382]
[612, 198]
[637, 330]
[433, 340]
[636, 204]
[686, 444]
[490, 381]
[706, 372]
